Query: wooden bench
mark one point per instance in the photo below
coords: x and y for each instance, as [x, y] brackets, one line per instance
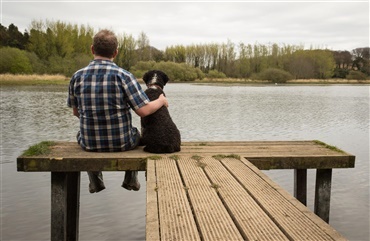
[208, 191]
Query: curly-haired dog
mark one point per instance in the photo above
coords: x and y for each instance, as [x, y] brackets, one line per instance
[159, 132]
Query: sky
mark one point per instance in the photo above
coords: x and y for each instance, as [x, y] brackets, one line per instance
[335, 25]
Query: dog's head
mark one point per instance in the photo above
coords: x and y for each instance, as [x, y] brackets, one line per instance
[155, 78]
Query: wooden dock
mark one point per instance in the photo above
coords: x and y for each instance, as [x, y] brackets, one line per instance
[208, 191]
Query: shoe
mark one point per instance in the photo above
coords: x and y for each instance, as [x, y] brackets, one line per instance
[131, 181]
[94, 189]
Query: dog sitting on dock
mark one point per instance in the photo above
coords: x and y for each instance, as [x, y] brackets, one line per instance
[159, 132]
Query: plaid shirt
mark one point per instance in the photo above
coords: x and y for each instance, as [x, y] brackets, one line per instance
[103, 94]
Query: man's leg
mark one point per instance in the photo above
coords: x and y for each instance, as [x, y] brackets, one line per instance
[96, 182]
[96, 178]
[131, 181]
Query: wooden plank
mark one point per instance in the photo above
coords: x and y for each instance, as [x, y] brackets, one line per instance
[301, 162]
[68, 156]
[317, 220]
[290, 216]
[245, 143]
[175, 215]
[212, 217]
[253, 222]
[152, 219]
[72, 150]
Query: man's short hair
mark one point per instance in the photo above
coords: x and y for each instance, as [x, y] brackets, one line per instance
[105, 43]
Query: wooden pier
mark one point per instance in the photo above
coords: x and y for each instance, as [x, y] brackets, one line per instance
[208, 191]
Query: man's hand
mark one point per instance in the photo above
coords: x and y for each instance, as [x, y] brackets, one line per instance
[164, 100]
[152, 106]
[75, 112]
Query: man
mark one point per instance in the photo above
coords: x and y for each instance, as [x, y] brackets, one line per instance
[101, 95]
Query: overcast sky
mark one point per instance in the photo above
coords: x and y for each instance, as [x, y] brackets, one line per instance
[336, 25]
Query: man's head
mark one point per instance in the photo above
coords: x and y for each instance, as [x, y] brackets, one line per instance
[105, 44]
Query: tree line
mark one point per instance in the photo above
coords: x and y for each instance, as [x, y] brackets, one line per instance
[56, 47]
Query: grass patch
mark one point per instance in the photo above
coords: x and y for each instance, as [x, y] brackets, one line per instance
[196, 157]
[201, 164]
[220, 156]
[175, 157]
[153, 157]
[215, 186]
[333, 148]
[41, 148]
[20, 79]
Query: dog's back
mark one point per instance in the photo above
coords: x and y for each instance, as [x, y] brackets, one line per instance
[159, 132]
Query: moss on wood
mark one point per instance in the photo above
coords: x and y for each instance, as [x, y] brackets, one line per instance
[333, 148]
[41, 148]
[220, 156]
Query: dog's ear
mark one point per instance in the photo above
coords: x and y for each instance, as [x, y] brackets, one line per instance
[163, 77]
[148, 76]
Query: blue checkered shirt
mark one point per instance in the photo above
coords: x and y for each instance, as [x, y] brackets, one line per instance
[104, 94]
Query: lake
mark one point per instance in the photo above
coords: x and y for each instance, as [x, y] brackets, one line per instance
[335, 114]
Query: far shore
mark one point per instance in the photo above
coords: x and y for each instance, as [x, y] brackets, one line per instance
[18, 79]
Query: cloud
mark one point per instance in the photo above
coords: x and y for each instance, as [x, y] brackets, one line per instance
[336, 25]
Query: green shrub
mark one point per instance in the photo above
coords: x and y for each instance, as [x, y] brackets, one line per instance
[356, 75]
[215, 74]
[38, 66]
[340, 73]
[14, 61]
[273, 75]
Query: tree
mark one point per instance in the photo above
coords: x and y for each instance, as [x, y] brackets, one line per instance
[244, 61]
[343, 59]
[318, 64]
[144, 50]
[127, 56]
[361, 60]
[11, 37]
[176, 54]
[4, 36]
[38, 40]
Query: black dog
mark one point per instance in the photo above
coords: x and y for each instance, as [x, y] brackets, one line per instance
[159, 132]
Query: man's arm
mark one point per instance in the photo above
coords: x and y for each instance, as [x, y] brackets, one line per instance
[152, 106]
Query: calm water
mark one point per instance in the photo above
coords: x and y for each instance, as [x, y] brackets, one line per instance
[338, 115]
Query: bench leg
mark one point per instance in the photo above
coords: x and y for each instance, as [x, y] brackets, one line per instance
[322, 193]
[65, 202]
[300, 185]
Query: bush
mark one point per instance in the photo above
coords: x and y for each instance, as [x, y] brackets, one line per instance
[38, 66]
[340, 73]
[215, 74]
[356, 75]
[14, 61]
[273, 75]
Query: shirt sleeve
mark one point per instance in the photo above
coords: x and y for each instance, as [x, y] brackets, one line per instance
[135, 95]
[71, 100]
